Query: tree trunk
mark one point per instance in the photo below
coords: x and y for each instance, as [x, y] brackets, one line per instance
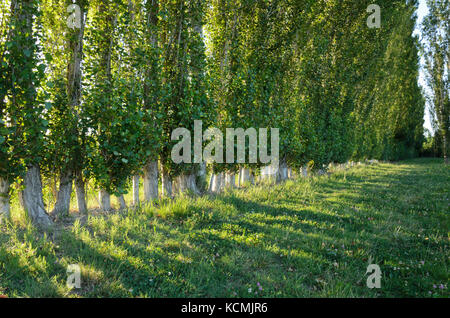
[62, 205]
[216, 183]
[269, 173]
[186, 183]
[180, 184]
[151, 181]
[230, 180]
[4, 199]
[104, 199]
[80, 190]
[290, 173]
[305, 171]
[75, 43]
[211, 180]
[166, 185]
[122, 203]
[246, 176]
[201, 176]
[282, 172]
[136, 201]
[445, 147]
[31, 198]
[192, 184]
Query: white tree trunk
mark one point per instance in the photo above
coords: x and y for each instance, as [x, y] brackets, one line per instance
[192, 182]
[62, 205]
[80, 190]
[31, 197]
[269, 173]
[201, 176]
[136, 201]
[305, 171]
[180, 184]
[216, 183]
[176, 186]
[166, 185]
[290, 173]
[211, 180]
[230, 180]
[282, 172]
[246, 176]
[122, 203]
[104, 198]
[185, 183]
[4, 199]
[151, 181]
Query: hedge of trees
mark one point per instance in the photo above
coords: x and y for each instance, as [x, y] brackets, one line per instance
[98, 102]
[435, 46]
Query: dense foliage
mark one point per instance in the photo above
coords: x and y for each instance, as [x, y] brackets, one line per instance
[436, 52]
[116, 86]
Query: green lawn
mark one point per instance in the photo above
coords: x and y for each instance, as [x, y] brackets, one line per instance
[306, 238]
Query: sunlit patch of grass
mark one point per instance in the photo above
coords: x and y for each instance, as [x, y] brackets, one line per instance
[181, 207]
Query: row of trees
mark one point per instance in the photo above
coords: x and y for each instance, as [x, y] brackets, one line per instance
[99, 102]
[436, 52]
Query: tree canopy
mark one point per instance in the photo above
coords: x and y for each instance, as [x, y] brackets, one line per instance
[98, 101]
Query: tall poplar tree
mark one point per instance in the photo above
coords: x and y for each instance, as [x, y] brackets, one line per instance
[23, 107]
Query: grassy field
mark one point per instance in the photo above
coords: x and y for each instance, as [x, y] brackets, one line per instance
[309, 237]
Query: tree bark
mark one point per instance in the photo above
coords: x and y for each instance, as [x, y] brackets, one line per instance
[104, 199]
[166, 185]
[305, 171]
[180, 184]
[230, 180]
[136, 201]
[80, 190]
[201, 177]
[122, 203]
[186, 183]
[32, 199]
[246, 176]
[192, 184]
[217, 183]
[211, 180]
[269, 173]
[445, 146]
[282, 172]
[4, 199]
[290, 173]
[62, 205]
[151, 181]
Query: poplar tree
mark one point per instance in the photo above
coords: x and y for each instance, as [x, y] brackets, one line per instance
[436, 51]
[23, 124]
[63, 49]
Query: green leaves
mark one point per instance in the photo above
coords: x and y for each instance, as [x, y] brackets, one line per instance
[334, 88]
[20, 82]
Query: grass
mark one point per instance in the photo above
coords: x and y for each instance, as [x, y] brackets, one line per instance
[305, 238]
